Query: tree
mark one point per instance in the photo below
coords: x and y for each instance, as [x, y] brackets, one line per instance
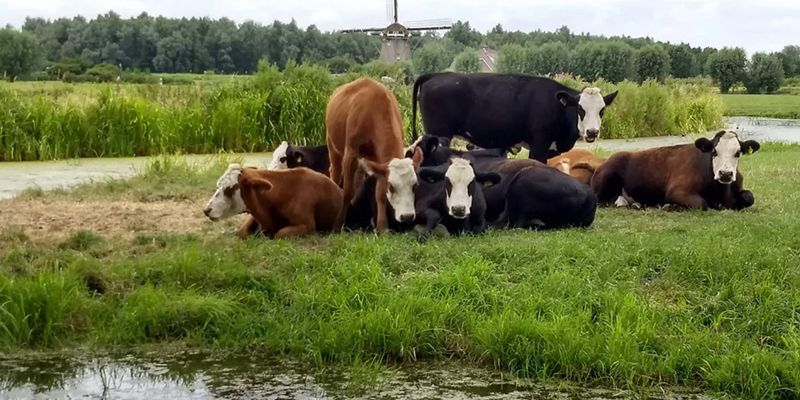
[765, 73]
[431, 58]
[683, 63]
[19, 53]
[549, 58]
[613, 61]
[790, 57]
[652, 62]
[467, 61]
[463, 34]
[513, 58]
[727, 67]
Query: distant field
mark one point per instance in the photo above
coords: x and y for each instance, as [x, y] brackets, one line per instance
[758, 105]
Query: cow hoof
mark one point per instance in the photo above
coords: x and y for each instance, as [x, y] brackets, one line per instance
[621, 202]
[636, 206]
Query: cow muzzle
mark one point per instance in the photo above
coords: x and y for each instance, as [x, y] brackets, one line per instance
[591, 135]
[725, 177]
[407, 218]
[459, 212]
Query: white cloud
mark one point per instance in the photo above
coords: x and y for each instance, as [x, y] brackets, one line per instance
[767, 26]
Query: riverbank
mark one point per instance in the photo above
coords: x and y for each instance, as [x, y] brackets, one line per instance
[705, 300]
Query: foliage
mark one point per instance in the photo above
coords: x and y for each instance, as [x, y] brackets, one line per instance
[513, 58]
[467, 61]
[652, 62]
[764, 74]
[464, 34]
[790, 57]
[432, 57]
[683, 62]
[549, 58]
[727, 67]
[103, 73]
[19, 53]
[641, 299]
[613, 61]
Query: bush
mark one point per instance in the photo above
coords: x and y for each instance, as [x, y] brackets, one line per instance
[513, 58]
[652, 62]
[432, 57]
[103, 73]
[339, 65]
[467, 61]
[19, 53]
[765, 74]
[727, 67]
[613, 61]
[683, 63]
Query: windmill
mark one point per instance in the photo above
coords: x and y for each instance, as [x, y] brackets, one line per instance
[396, 38]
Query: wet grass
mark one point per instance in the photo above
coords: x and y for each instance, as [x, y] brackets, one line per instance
[709, 300]
[762, 105]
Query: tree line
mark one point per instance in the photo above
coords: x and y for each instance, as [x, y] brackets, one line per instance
[159, 44]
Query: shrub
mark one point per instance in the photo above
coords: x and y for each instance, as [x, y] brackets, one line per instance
[432, 57]
[613, 61]
[513, 58]
[765, 73]
[103, 73]
[549, 58]
[727, 67]
[467, 61]
[652, 62]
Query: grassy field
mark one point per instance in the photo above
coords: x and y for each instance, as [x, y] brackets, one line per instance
[758, 105]
[709, 300]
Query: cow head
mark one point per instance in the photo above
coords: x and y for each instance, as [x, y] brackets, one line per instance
[725, 149]
[590, 105]
[401, 180]
[460, 179]
[227, 200]
[279, 157]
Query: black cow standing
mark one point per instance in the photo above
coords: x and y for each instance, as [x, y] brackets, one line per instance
[502, 110]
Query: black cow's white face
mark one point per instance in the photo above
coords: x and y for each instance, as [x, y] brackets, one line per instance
[400, 191]
[591, 106]
[460, 179]
[279, 157]
[725, 149]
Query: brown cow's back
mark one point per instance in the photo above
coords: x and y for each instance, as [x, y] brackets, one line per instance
[580, 164]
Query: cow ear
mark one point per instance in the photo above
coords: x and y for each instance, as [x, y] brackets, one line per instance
[416, 159]
[566, 99]
[431, 175]
[488, 179]
[750, 146]
[705, 145]
[429, 143]
[261, 183]
[373, 168]
[609, 98]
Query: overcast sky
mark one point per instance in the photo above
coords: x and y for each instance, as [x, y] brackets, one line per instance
[766, 27]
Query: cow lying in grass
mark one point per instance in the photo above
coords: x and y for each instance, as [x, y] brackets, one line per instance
[285, 203]
[696, 176]
[579, 163]
[288, 156]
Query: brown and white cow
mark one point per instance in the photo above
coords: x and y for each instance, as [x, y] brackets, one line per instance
[282, 203]
[363, 120]
[697, 176]
[581, 164]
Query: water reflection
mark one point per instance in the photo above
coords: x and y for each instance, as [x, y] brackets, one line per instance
[204, 376]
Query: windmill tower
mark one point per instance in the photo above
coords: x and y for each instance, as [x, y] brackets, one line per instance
[396, 38]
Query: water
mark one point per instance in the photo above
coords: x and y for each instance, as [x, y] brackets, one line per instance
[18, 176]
[205, 376]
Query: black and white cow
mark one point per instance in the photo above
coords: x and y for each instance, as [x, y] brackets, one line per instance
[502, 110]
[288, 156]
[452, 195]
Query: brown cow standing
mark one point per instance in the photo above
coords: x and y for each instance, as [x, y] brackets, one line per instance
[579, 163]
[363, 121]
[291, 202]
[698, 176]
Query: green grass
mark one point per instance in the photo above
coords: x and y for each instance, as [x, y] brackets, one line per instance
[759, 105]
[709, 300]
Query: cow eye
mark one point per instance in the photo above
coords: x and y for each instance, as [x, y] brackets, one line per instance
[714, 153]
[391, 189]
[581, 112]
[283, 159]
[448, 186]
[738, 153]
[602, 111]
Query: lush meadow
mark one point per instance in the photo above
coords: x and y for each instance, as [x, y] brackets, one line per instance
[54, 120]
[642, 298]
[760, 105]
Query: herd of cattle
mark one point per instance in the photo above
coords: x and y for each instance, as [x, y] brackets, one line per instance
[365, 178]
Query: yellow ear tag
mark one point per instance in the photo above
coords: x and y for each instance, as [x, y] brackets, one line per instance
[488, 184]
[749, 150]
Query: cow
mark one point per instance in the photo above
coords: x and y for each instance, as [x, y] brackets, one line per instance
[437, 150]
[452, 195]
[702, 175]
[501, 110]
[282, 203]
[581, 164]
[288, 156]
[363, 120]
[529, 194]
[363, 210]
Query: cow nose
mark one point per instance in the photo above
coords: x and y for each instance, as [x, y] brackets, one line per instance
[458, 211]
[407, 218]
[207, 212]
[592, 133]
[725, 176]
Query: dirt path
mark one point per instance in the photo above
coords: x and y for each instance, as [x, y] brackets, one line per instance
[57, 218]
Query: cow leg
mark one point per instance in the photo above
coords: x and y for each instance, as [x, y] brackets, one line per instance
[539, 153]
[381, 222]
[744, 199]
[250, 227]
[687, 199]
[335, 167]
[431, 218]
[349, 169]
[295, 230]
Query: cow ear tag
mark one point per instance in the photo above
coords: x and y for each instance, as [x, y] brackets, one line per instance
[749, 150]
[488, 184]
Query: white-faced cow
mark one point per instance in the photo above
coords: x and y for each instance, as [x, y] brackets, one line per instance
[697, 176]
[502, 110]
[288, 156]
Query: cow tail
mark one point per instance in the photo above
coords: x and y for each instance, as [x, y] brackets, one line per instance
[414, 93]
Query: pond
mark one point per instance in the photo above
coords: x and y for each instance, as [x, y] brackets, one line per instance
[197, 375]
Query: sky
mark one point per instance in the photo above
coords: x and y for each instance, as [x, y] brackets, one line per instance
[768, 26]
